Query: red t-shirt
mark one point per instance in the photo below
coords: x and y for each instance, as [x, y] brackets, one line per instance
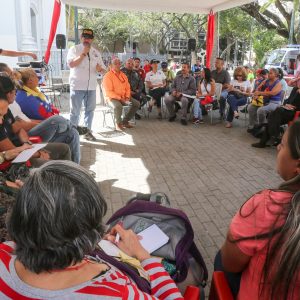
[258, 216]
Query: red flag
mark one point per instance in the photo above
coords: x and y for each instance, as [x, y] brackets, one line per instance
[55, 18]
[210, 37]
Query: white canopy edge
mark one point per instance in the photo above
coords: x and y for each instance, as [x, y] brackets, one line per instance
[171, 6]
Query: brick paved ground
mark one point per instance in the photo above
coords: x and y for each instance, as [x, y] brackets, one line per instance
[207, 171]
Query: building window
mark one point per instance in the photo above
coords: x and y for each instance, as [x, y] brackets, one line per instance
[33, 24]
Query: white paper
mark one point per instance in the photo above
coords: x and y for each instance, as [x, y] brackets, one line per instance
[189, 96]
[153, 238]
[109, 248]
[26, 154]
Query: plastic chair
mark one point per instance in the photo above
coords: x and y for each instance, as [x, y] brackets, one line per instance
[219, 289]
[192, 293]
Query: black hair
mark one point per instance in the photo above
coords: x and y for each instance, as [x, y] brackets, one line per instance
[207, 74]
[137, 58]
[264, 72]
[3, 67]
[280, 76]
[282, 264]
[6, 84]
[57, 217]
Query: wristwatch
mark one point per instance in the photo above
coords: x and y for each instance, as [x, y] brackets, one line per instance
[2, 157]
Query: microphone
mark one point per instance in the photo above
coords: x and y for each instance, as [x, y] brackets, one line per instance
[88, 54]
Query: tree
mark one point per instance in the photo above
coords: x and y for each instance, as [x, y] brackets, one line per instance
[277, 15]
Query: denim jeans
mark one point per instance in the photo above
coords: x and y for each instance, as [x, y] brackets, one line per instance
[59, 130]
[234, 103]
[223, 97]
[197, 109]
[89, 102]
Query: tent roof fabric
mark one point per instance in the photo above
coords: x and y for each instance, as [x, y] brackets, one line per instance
[172, 6]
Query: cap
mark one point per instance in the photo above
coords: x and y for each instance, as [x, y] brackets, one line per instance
[154, 61]
[88, 33]
[164, 64]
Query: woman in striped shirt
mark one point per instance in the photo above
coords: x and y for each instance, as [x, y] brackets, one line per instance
[55, 224]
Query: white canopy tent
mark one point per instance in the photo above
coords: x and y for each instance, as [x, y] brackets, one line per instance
[172, 6]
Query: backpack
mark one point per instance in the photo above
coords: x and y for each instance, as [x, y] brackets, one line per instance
[142, 211]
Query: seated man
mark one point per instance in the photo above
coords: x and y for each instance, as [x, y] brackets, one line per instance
[183, 85]
[136, 83]
[13, 137]
[117, 93]
[220, 75]
[137, 67]
[169, 75]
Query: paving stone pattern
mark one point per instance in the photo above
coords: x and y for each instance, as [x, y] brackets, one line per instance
[208, 171]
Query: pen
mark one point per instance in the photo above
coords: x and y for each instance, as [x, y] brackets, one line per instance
[117, 238]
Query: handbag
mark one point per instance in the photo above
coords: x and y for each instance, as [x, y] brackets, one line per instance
[259, 101]
[207, 100]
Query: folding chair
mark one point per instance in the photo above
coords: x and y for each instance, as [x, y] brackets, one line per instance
[219, 288]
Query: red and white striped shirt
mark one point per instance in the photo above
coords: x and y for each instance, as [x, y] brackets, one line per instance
[112, 285]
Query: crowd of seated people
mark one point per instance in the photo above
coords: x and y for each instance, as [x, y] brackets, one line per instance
[49, 127]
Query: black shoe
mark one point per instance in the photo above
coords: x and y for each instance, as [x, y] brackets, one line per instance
[172, 119]
[250, 130]
[137, 116]
[89, 136]
[183, 122]
[259, 145]
[82, 130]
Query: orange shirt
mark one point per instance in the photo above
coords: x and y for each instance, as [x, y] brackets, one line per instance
[116, 86]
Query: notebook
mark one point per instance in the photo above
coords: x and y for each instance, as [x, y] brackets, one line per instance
[153, 238]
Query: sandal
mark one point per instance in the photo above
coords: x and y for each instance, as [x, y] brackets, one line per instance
[228, 125]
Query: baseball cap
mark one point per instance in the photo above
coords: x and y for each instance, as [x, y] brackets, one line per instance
[87, 33]
[154, 61]
[164, 64]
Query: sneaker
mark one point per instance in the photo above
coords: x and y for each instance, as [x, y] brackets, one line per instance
[259, 145]
[159, 116]
[89, 136]
[183, 122]
[196, 121]
[172, 119]
[82, 130]
[201, 121]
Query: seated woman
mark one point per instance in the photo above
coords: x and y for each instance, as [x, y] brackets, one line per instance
[280, 116]
[54, 129]
[34, 104]
[238, 91]
[55, 225]
[13, 137]
[263, 238]
[206, 87]
[271, 90]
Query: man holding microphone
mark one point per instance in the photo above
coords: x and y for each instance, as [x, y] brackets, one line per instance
[84, 62]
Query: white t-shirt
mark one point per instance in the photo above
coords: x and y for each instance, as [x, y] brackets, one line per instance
[155, 78]
[79, 75]
[244, 85]
[205, 90]
[17, 112]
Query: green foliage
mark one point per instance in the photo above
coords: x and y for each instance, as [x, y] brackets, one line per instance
[265, 41]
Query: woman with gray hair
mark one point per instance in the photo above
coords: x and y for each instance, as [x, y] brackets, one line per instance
[263, 241]
[55, 224]
[271, 90]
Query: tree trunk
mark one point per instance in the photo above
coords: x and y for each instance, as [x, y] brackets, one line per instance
[215, 48]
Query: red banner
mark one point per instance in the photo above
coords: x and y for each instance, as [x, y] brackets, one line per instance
[55, 18]
[210, 37]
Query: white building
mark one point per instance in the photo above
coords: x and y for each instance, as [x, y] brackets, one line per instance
[25, 26]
